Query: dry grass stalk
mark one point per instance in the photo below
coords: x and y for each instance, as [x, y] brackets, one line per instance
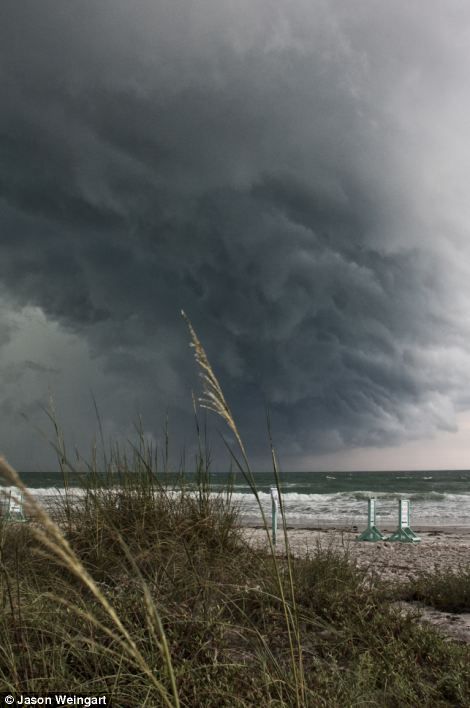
[51, 536]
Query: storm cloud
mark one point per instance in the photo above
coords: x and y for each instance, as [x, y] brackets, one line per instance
[293, 175]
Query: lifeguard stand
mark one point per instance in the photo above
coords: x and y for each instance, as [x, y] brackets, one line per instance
[404, 532]
[274, 510]
[12, 506]
[371, 533]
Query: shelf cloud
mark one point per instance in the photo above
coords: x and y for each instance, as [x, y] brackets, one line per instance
[294, 176]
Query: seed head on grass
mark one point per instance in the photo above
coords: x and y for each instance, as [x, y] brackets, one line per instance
[213, 398]
[52, 537]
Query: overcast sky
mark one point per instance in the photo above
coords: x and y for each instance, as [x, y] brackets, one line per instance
[295, 175]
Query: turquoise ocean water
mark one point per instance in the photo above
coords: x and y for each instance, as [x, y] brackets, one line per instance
[438, 498]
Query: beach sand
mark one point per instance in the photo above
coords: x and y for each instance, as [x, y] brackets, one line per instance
[446, 548]
[443, 547]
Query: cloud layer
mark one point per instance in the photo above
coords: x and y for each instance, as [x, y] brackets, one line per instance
[294, 177]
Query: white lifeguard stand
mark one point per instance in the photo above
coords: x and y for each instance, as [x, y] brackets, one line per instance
[12, 506]
[371, 533]
[404, 534]
[274, 509]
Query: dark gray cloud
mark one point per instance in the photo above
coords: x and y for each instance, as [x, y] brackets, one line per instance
[291, 176]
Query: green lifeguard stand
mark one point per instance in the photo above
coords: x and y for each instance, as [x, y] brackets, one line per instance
[371, 533]
[404, 534]
[12, 506]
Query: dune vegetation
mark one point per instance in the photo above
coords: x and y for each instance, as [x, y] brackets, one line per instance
[154, 597]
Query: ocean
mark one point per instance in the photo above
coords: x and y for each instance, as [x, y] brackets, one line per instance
[438, 498]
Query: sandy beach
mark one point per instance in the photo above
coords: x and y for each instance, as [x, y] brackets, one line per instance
[440, 547]
[446, 548]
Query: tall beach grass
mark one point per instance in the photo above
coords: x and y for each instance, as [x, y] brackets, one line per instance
[153, 596]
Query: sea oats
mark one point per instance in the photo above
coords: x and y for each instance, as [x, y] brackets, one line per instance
[213, 398]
